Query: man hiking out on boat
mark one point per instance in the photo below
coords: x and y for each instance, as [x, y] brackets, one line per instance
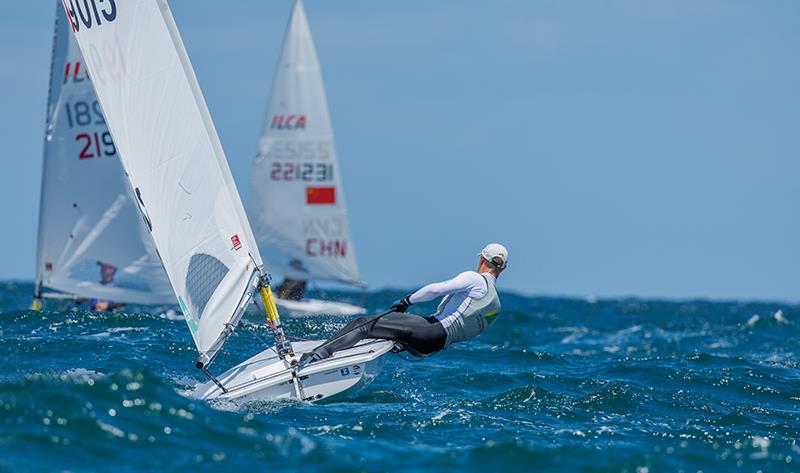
[469, 306]
[293, 289]
[107, 272]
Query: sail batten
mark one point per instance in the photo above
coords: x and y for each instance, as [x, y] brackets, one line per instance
[175, 163]
[297, 203]
[91, 240]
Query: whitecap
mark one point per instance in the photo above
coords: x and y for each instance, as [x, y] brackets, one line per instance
[171, 314]
[115, 431]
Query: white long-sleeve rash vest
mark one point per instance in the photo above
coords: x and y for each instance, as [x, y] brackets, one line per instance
[463, 288]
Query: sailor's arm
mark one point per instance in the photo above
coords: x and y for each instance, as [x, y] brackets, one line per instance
[464, 282]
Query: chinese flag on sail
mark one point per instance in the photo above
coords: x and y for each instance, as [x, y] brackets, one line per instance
[320, 195]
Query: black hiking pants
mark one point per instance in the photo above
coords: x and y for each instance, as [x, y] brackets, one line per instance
[420, 335]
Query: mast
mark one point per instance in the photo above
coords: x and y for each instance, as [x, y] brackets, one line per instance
[282, 345]
[36, 305]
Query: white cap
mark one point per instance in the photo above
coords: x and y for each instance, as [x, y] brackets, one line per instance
[495, 250]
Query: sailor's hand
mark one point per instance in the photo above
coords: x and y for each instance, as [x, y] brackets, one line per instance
[402, 304]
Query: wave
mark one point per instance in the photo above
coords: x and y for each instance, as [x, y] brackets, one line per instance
[555, 384]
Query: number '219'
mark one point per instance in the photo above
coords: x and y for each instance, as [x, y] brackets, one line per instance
[92, 144]
[88, 13]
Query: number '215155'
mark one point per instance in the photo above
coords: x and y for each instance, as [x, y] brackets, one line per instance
[89, 13]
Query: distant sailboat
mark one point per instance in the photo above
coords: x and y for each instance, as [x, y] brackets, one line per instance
[297, 203]
[92, 241]
[183, 186]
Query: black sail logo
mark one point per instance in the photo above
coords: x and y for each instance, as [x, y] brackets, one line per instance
[140, 204]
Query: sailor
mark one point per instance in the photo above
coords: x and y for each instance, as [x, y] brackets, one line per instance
[470, 304]
[293, 289]
[107, 272]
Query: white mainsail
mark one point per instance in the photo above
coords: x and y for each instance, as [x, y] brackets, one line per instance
[297, 204]
[176, 166]
[87, 213]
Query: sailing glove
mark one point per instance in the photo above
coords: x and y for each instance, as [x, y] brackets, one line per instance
[402, 305]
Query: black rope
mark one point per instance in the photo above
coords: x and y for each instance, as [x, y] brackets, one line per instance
[400, 347]
[416, 359]
[212, 378]
[266, 343]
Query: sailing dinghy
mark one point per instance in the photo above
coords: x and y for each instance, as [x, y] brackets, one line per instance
[92, 242]
[184, 189]
[297, 203]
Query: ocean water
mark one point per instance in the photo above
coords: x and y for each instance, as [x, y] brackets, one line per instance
[555, 385]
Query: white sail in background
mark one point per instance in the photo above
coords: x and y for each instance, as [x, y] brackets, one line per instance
[170, 150]
[297, 204]
[87, 213]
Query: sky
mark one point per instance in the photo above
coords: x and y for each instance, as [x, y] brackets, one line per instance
[616, 147]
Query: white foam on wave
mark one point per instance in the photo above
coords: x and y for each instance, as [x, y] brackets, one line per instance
[575, 333]
[171, 315]
[74, 375]
[721, 343]
[115, 431]
[113, 330]
[777, 316]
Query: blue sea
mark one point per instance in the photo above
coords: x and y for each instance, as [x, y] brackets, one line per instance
[556, 384]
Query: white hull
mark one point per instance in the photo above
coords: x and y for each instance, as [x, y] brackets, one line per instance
[310, 307]
[266, 376]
